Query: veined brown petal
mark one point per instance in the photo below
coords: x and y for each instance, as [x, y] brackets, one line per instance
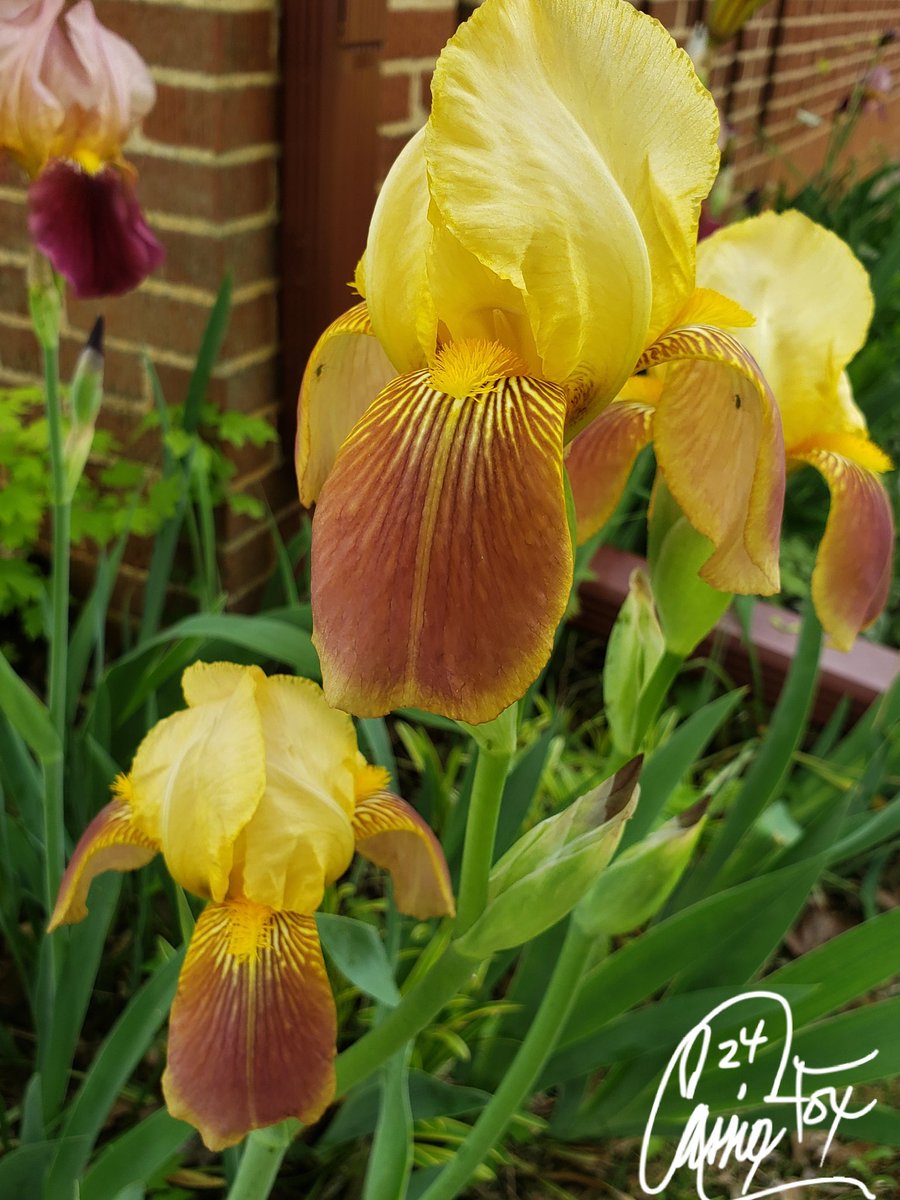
[852, 575]
[600, 460]
[391, 834]
[112, 842]
[346, 371]
[719, 446]
[441, 558]
[252, 1030]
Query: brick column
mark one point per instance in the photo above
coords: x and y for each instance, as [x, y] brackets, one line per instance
[208, 160]
[416, 33]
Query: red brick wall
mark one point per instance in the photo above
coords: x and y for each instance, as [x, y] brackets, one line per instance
[208, 161]
[415, 32]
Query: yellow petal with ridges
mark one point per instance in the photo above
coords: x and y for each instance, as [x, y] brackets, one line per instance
[707, 307]
[209, 683]
[300, 838]
[396, 262]
[197, 779]
[813, 305]
[592, 215]
[346, 371]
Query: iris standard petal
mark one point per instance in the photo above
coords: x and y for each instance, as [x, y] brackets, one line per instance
[813, 304]
[112, 842]
[103, 84]
[400, 307]
[30, 112]
[346, 371]
[621, 143]
[718, 442]
[852, 576]
[391, 834]
[252, 1029]
[441, 558]
[196, 780]
[600, 460]
[300, 838]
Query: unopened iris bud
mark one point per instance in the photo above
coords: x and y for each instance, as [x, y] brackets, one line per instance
[85, 396]
[636, 886]
[688, 607]
[634, 650]
[545, 874]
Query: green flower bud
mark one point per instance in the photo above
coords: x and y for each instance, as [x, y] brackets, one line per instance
[544, 875]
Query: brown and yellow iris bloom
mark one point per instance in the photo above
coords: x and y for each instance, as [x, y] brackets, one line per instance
[812, 302]
[813, 307]
[257, 796]
[531, 248]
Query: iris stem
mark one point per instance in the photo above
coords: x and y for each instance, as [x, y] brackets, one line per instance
[481, 830]
[537, 1047]
[420, 1004]
[261, 1161]
[54, 827]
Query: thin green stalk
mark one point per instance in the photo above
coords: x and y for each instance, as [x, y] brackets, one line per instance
[526, 1067]
[420, 1004]
[481, 829]
[260, 1162]
[59, 629]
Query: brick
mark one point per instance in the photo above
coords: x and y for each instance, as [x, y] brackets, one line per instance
[213, 120]
[250, 559]
[207, 191]
[176, 325]
[394, 97]
[277, 491]
[202, 261]
[192, 39]
[416, 34]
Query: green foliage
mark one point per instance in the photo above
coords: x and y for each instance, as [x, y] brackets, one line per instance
[118, 496]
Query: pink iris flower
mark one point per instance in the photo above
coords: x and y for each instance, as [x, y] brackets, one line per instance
[72, 93]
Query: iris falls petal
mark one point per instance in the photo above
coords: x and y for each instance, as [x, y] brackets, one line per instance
[252, 1029]
[441, 558]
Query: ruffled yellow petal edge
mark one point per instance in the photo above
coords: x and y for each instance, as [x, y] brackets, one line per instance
[112, 842]
[346, 371]
[253, 1027]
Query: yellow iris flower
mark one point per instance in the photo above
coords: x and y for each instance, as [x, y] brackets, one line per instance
[813, 305]
[530, 250]
[256, 795]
